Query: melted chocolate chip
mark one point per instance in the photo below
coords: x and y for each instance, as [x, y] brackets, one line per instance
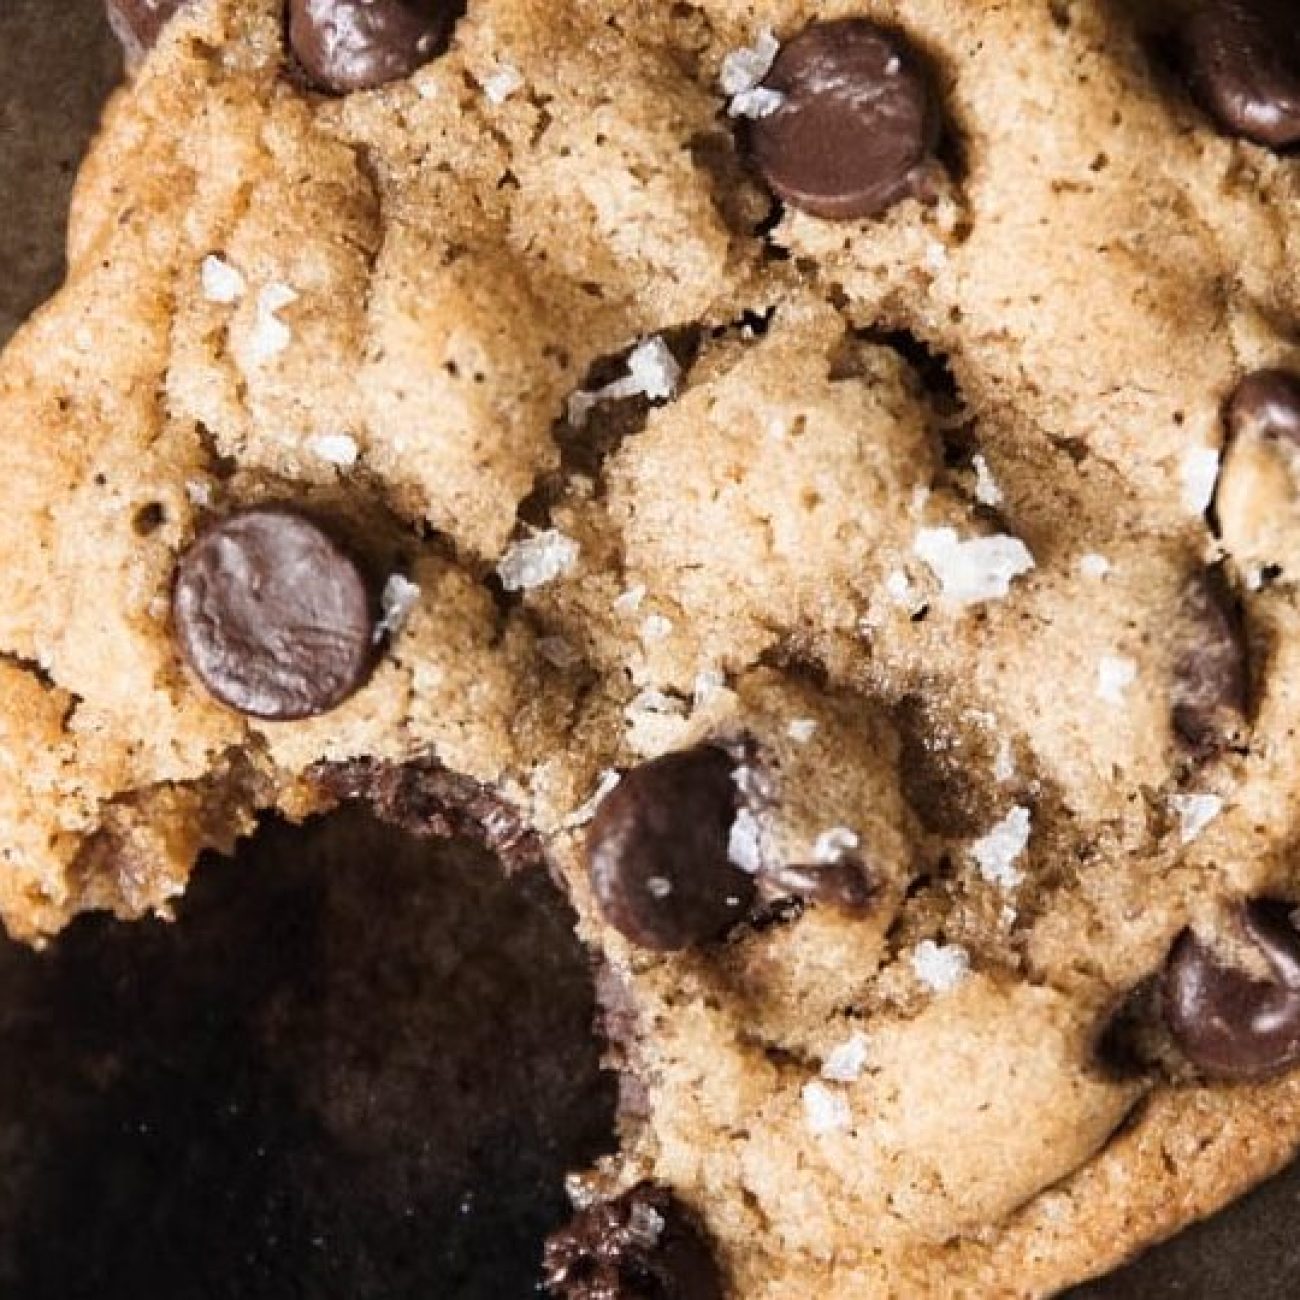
[857, 123]
[846, 885]
[1227, 1022]
[423, 798]
[657, 852]
[641, 1246]
[1266, 404]
[347, 45]
[273, 616]
[1243, 61]
[1210, 673]
[139, 23]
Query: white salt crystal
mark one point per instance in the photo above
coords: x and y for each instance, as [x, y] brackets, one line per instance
[826, 1110]
[1115, 675]
[845, 1063]
[1195, 813]
[802, 730]
[656, 628]
[659, 887]
[1094, 566]
[997, 852]
[747, 846]
[940, 967]
[534, 561]
[400, 597]
[630, 601]
[832, 845]
[337, 449]
[502, 82]
[1200, 474]
[653, 372]
[755, 104]
[745, 68]
[270, 334]
[979, 569]
[987, 492]
[221, 282]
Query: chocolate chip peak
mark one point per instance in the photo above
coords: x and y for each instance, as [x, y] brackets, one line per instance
[1227, 1021]
[139, 23]
[274, 618]
[1243, 61]
[642, 1245]
[1266, 404]
[855, 125]
[347, 45]
[658, 852]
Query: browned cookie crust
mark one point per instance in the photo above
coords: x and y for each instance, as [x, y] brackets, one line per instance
[932, 528]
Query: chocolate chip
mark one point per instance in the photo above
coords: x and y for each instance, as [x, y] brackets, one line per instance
[273, 616]
[139, 23]
[846, 885]
[1243, 61]
[857, 123]
[657, 851]
[643, 1245]
[1210, 672]
[1226, 1021]
[1266, 404]
[347, 45]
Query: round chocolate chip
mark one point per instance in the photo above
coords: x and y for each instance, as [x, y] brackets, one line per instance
[273, 616]
[856, 124]
[1210, 672]
[1266, 404]
[1226, 1021]
[347, 45]
[657, 852]
[1243, 59]
[846, 885]
[643, 1245]
[139, 23]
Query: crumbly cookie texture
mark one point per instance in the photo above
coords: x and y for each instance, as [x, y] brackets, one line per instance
[878, 604]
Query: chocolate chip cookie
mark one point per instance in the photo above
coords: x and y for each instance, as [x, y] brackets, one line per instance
[823, 478]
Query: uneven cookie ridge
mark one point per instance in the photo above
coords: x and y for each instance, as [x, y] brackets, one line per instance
[906, 514]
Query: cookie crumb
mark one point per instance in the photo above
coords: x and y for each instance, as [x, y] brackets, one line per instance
[534, 561]
[558, 652]
[996, 853]
[399, 599]
[845, 1063]
[940, 967]
[975, 570]
[825, 1110]
[1195, 812]
[1115, 674]
[221, 282]
[1200, 475]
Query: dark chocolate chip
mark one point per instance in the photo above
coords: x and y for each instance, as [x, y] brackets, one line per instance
[1266, 404]
[846, 885]
[347, 45]
[1243, 61]
[139, 23]
[1226, 1021]
[643, 1245]
[423, 798]
[657, 851]
[273, 616]
[857, 124]
[1210, 672]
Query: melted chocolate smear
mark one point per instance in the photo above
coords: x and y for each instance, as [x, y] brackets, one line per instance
[358, 1066]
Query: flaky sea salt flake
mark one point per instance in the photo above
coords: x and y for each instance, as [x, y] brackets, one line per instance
[1115, 674]
[845, 1063]
[270, 334]
[656, 628]
[1200, 473]
[756, 104]
[1094, 566]
[745, 68]
[826, 1110]
[534, 561]
[630, 601]
[975, 570]
[802, 730]
[338, 449]
[398, 601]
[940, 966]
[221, 282]
[987, 492]
[834, 845]
[997, 852]
[1195, 812]
[502, 82]
[747, 845]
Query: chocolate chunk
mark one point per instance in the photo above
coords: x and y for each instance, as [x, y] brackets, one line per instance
[139, 23]
[857, 123]
[423, 798]
[273, 616]
[1266, 404]
[641, 1246]
[1243, 62]
[347, 45]
[1210, 672]
[846, 885]
[1226, 1021]
[657, 852]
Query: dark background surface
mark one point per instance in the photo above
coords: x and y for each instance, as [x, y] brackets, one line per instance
[294, 1090]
